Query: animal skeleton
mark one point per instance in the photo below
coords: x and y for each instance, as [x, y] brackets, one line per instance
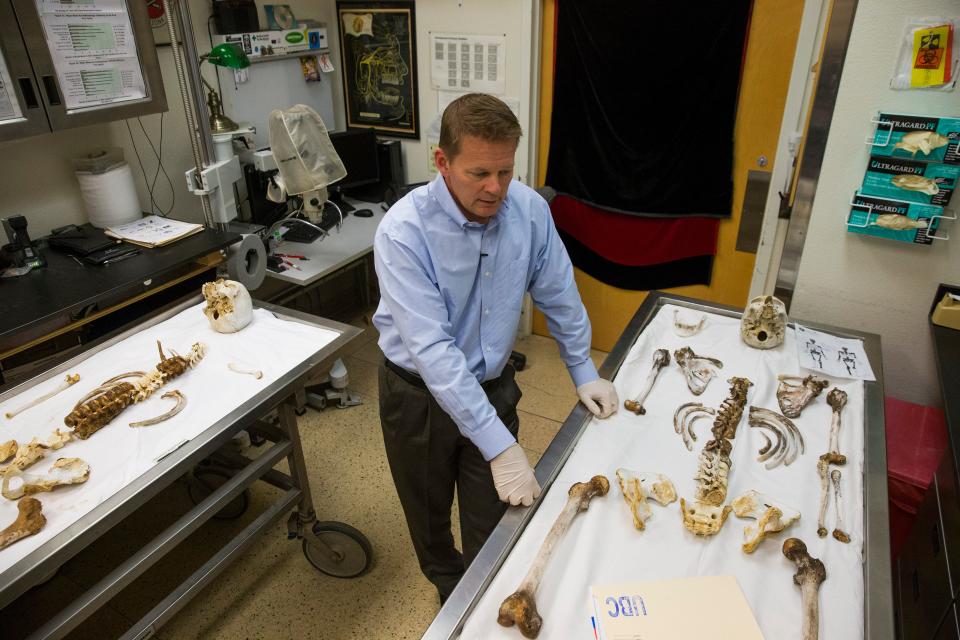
[661, 358]
[793, 397]
[789, 440]
[687, 329]
[637, 487]
[838, 531]
[181, 403]
[912, 182]
[29, 521]
[520, 607]
[238, 369]
[107, 401]
[698, 370]
[897, 222]
[65, 471]
[837, 399]
[810, 574]
[70, 380]
[684, 417]
[925, 141]
[771, 517]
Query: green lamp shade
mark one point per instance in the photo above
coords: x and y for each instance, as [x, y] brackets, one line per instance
[229, 55]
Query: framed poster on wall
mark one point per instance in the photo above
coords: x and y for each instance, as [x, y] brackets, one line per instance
[379, 60]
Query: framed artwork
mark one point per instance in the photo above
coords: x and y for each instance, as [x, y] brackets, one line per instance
[378, 55]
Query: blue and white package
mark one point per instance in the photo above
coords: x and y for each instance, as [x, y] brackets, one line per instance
[917, 138]
[894, 219]
[910, 180]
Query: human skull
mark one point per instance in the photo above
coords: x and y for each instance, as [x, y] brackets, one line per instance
[764, 323]
[229, 307]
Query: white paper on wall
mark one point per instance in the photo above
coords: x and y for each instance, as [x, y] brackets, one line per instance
[465, 62]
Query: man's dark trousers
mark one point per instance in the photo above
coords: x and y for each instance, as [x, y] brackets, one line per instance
[429, 457]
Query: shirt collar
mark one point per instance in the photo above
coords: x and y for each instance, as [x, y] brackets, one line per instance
[439, 191]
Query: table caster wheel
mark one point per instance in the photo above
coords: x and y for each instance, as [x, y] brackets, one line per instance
[352, 553]
[207, 480]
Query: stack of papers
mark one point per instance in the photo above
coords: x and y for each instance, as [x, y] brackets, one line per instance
[153, 231]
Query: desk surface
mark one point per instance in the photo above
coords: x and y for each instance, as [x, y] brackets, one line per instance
[327, 254]
[64, 286]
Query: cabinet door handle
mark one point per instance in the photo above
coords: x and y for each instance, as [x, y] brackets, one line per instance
[29, 95]
[935, 539]
[53, 94]
[916, 585]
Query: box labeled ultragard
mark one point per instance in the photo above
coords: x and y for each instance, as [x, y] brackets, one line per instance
[910, 180]
[893, 219]
[917, 138]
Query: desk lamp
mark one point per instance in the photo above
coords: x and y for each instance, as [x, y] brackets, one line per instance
[230, 56]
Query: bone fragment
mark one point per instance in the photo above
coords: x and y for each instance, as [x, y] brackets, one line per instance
[687, 329]
[70, 380]
[698, 370]
[58, 438]
[638, 486]
[259, 374]
[771, 516]
[661, 358]
[27, 454]
[703, 519]
[838, 531]
[789, 440]
[181, 403]
[7, 450]
[520, 607]
[837, 399]
[684, 417]
[29, 521]
[794, 393]
[822, 466]
[810, 574]
[65, 471]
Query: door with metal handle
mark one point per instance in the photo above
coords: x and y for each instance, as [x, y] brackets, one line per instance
[21, 110]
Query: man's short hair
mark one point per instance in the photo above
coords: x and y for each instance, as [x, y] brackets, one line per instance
[479, 115]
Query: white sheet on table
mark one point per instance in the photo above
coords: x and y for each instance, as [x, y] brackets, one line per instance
[602, 546]
[118, 454]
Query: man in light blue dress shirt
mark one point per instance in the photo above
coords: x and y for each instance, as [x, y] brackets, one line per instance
[454, 259]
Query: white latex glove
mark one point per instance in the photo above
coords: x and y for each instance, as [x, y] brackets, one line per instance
[600, 397]
[513, 477]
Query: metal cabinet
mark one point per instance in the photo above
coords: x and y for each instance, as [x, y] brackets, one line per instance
[33, 99]
[948, 628]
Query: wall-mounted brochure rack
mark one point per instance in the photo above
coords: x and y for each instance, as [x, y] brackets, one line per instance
[910, 222]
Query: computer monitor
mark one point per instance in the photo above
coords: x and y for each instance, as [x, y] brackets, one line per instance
[357, 149]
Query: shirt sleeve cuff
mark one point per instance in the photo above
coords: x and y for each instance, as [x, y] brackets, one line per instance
[583, 373]
[494, 440]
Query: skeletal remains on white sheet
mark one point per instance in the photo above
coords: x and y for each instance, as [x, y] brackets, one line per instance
[686, 329]
[763, 324]
[7, 450]
[256, 373]
[837, 399]
[520, 608]
[638, 486]
[794, 393]
[788, 443]
[771, 517]
[838, 530]
[698, 370]
[661, 358]
[229, 307]
[65, 471]
[703, 519]
[823, 465]
[181, 402]
[684, 417]
[70, 380]
[810, 574]
[24, 455]
[30, 520]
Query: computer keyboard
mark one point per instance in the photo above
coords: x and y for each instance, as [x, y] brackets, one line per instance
[298, 232]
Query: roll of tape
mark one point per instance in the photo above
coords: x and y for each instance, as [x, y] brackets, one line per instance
[247, 261]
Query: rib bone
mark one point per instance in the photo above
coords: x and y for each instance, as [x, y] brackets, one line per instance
[684, 417]
[789, 439]
[520, 607]
[29, 521]
[70, 380]
[181, 403]
[822, 466]
[771, 516]
[810, 574]
[793, 397]
[687, 329]
[661, 358]
[253, 372]
[838, 531]
[637, 487]
[698, 370]
[836, 399]
[64, 471]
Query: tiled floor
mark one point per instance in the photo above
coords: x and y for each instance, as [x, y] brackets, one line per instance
[273, 592]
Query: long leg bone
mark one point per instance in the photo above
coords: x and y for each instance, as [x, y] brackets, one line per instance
[70, 380]
[838, 531]
[687, 329]
[836, 399]
[822, 466]
[520, 607]
[810, 574]
[637, 487]
[64, 471]
[794, 393]
[771, 517]
[29, 521]
[698, 370]
[233, 366]
[661, 358]
[181, 403]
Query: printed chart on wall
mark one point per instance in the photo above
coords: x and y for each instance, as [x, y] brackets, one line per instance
[9, 106]
[93, 50]
[464, 62]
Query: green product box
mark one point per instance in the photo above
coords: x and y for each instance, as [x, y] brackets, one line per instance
[917, 138]
[910, 180]
[894, 219]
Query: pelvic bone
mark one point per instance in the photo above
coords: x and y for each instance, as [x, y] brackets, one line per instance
[637, 487]
[771, 516]
[29, 521]
[65, 471]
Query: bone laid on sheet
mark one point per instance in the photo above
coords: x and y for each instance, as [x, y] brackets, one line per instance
[236, 368]
[794, 393]
[181, 401]
[771, 516]
[698, 370]
[638, 486]
[684, 327]
[30, 520]
[70, 380]
[810, 574]
[65, 471]
[661, 358]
